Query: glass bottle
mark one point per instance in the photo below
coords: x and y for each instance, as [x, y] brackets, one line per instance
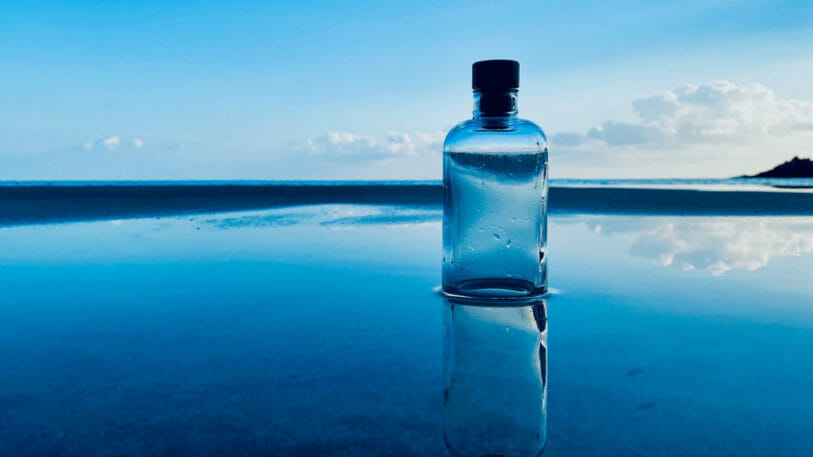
[495, 186]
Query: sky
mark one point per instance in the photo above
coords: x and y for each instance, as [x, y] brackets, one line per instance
[368, 89]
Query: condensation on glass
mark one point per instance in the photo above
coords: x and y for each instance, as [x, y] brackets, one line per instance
[495, 185]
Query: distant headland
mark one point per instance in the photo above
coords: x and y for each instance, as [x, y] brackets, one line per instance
[794, 168]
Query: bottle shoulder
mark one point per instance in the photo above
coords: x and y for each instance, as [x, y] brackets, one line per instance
[481, 135]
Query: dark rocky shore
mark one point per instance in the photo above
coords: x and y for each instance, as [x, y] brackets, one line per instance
[794, 168]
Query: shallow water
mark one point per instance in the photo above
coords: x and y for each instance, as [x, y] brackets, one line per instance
[318, 330]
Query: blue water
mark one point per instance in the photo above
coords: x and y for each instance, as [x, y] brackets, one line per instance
[317, 330]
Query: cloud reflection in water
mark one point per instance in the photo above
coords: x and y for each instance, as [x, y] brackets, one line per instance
[712, 244]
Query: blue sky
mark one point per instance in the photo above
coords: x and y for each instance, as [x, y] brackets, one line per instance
[366, 90]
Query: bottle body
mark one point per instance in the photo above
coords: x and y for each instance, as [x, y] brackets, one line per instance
[495, 173]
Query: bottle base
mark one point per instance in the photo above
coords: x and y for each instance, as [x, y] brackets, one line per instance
[494, 288]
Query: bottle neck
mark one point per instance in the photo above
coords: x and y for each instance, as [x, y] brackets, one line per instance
[491, 104]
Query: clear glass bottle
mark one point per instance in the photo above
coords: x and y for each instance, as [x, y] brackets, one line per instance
[495, 186]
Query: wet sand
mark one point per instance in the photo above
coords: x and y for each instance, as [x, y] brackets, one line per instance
[44, 204]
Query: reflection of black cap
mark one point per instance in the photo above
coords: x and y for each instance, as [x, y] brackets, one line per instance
[495, 75]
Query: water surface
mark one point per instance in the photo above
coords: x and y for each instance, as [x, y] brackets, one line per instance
[312, 330]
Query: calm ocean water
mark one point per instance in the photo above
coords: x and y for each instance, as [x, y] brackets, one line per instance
[318, 330]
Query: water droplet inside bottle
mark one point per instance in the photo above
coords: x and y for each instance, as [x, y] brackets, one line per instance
[496, 236]
[508, 243]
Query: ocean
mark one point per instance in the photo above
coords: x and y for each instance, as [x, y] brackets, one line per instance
[208, 320]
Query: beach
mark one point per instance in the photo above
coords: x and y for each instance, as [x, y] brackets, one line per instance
[43, 203]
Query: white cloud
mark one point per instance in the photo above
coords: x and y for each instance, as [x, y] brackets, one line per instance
[720, 112]
[624, 133]
[695, 130]
[349, 146]
[566, 139]
[113, 142]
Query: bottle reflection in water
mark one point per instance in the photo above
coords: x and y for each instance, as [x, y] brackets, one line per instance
[495, 378]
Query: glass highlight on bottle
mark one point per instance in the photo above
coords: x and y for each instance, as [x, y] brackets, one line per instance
[495, 186]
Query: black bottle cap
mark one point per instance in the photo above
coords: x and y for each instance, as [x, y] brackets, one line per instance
[495, 75]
